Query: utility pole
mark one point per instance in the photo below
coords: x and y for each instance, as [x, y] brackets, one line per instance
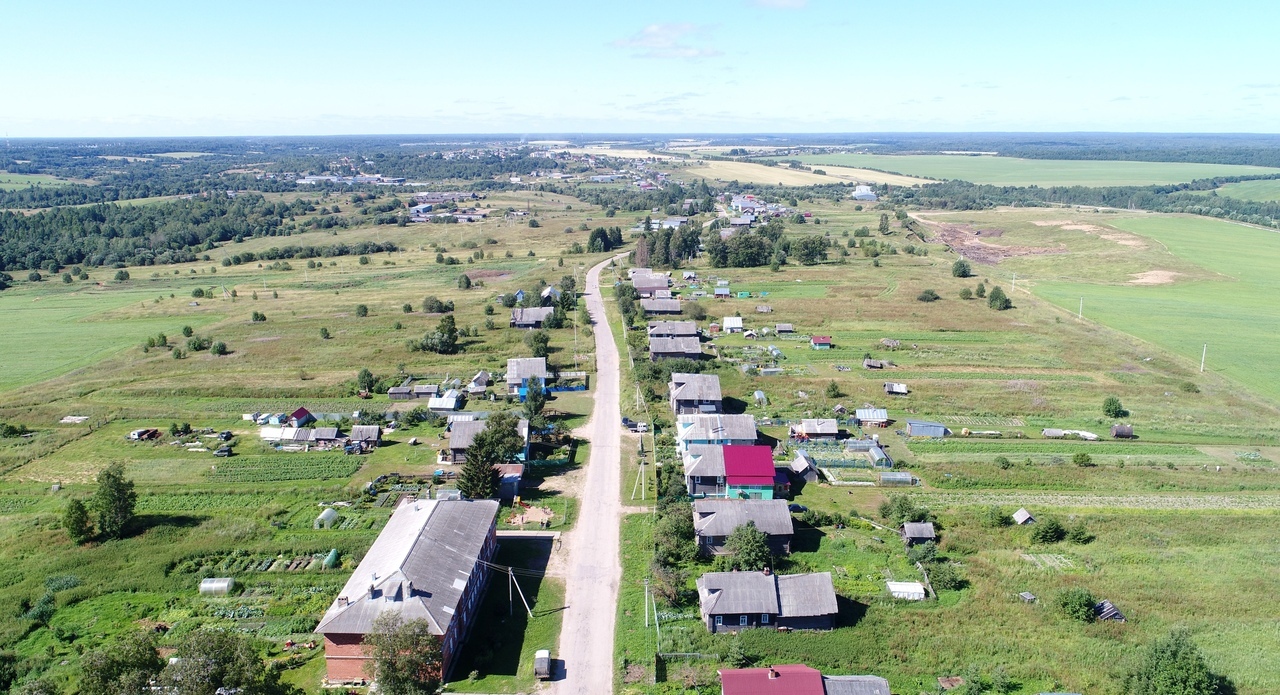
[1080, 313]
[1203, 353]
[1015, 283]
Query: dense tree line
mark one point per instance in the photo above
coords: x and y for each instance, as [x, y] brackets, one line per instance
[139, 235]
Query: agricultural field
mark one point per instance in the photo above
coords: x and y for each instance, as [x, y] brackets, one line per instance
[1011, 171]
[10, 181]
[1261, 190]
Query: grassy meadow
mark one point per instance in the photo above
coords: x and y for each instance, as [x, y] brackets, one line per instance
[1012, 171]
[10, 181]
[1261, 190]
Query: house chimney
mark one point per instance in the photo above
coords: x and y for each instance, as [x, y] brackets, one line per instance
[342, 600]
[772, 673]
[371, 588]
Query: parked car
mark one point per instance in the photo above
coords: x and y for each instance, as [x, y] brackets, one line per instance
[223, 452]
[797, 508]
[542, 664]
[225, 435]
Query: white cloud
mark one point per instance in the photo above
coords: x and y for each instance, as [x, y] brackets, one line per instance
[669, 41]
[781, 4]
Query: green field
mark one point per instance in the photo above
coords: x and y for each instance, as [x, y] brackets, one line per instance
[1264, 190]
[1236, 315]
[9, 182]
[1010, 171]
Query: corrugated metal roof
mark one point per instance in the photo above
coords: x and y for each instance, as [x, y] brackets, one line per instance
[790, 679]
[738, 592]
[855, 685]
[807, 595]
[720, 517]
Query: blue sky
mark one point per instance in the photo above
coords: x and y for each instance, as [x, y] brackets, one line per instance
[279, 67]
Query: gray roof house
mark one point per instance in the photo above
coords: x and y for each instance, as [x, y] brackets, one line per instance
[738, 600]
[368, 434]
[695, 393]
[672, 329]
[530, 318]
[479, 383]
[918, 532]
[670, 348]
[521, 369]
[715, 519]
[714, 429]
[820, 429]
[871, 417]
[646, 285]
[704, 470]
[428, 563]
[784, 328]
[660, 306]
[804, 468]
[463, 433]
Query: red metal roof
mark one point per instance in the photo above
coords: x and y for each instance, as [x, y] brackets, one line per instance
[748, 465]
[787, 679]
[820, 339]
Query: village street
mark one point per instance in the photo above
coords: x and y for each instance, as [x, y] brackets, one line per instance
[594, 569]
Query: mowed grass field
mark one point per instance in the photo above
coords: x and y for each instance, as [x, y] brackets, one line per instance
[9, 182]
[1011, 171]
[1236, 314]
[1263, 190]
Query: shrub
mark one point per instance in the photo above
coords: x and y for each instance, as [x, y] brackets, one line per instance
[1112, 408]
[198, 293]
[34, 276]
[1188, 387]
[218, 348]
[833, 390]
[1048, 531]
[1175, 666]
[121, 275]
[996, 517]
[324, 334]
[407, 308]
[259, 317]
[1004, 463]
[999, 300]
[923, 553]
[362, 310]
[961, 269]
[364, 260]
[187, 331]
[902, 508]
[1080, 535]
[1076, 603]
[966, 293]
[981, 292]
[946, 576]
[928, 296]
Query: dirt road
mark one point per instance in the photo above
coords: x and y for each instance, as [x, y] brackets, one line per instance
[586, 639]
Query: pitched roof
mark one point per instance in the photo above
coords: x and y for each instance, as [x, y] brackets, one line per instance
[894, 387]
[820, 340]
[675, 346]
[919, 530]
[694, 387]
[322, 433]
[672, 328]
[419, 565]
[711, 427]
[719, 517]
[807, 595]
[738, 592]
[784, 328]
[855, 685]
[789, 679]
[650, 282]
[748, 465]
[732, 322]
[521, 368]
[531, 315]
[1022, 516]
[812, 426]
[366, 433]
[462, 433]
[705, 460]
[300, 413]
[672, 305]
[871, 414]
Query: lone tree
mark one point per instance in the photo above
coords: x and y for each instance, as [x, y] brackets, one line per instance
[535, 399]
[538, 342]
[961, 269]
[75, 519]
[444, 339]
[498, 442]
[1174, 666]
[1048, 531]
[749, 548]
[127, 666]
[1112, 408]
[833, 390]
[362, 310]
[999, 300]
[366, 380]
[884, 223]
[214, 661]
[928, 296]
[113, 502]
[406, 659]
[464, 282]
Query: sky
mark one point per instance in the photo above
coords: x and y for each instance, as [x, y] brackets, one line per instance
[282, 67]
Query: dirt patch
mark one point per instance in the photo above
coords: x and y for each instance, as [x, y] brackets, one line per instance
[531, 515]
[970, 243]
[1051, 223]
[488, 274]
[1082, 228]
[1154, 277]
[264, 340]
[1125, 240]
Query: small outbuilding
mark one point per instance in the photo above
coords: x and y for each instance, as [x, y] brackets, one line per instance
[217, 586]
[820, 342]
[1122, 431]
[326, 519]
[895, 389]
[907, 591]
[924, 428]
[915, 533]
[1105, 610]
[1022, 517]
[896, 478]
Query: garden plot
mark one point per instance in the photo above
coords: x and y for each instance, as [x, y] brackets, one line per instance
[1049, 561]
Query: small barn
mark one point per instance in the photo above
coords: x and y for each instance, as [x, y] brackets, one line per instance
[869, 363]
[732, 324]
[872, 417]
[907, 591]
[1022, 517]
[217, 586]
[820, 342]
[326, 519]
[784, 328]
[895, 389]
[1122, 431]
[915, 533]
[924, 428]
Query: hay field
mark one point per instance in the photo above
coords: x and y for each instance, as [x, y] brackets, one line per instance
[1263, 190]
[9, 182]
[759, 173]
[1010, 171]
